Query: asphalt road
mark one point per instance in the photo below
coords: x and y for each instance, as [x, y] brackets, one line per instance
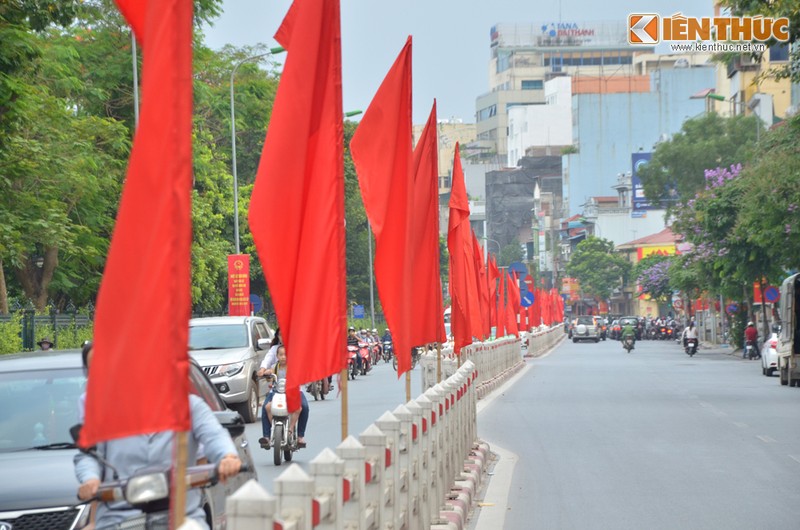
[593, 438]
[369, 397]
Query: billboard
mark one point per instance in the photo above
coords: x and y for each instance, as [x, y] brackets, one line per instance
[640, 202]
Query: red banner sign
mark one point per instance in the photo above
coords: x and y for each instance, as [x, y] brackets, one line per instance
[239, 284]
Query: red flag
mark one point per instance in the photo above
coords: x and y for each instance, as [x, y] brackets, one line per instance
[381, 149]
[144, 302]
[501, 308]
[512, 307]
[428, 316]
[297, 207]
[483, 291]
[494, 274]
[465, 315]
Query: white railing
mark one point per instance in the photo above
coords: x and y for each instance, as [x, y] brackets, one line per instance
[417, 467]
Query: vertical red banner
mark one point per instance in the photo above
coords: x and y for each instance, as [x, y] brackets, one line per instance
[238, 284]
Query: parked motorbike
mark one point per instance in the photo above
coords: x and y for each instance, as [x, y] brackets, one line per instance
[284, 442]
[352, 363]
[691, 347]
[388, 349]
[627, 343]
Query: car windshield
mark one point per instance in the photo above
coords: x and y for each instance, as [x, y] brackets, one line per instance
[38, 407]
[217, 337]
[586, 321]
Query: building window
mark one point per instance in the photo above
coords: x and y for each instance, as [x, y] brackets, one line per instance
[532, 84]
[488, 112]
[778, 52]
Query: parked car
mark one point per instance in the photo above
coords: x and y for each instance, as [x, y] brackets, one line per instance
[614, 330]
[39, 396]
[585, 328]
[769, 352]
[230, 351]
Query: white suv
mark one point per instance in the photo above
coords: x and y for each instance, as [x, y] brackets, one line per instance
[585, 329]
[230, 351]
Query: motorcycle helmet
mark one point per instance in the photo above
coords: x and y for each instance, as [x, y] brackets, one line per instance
[750, 323]
[351, 328]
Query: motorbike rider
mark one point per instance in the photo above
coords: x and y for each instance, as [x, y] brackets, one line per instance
[352, 340]
[751, 337]
[690, 332]
[299, 417]
[130, 454]
[628, 331]
[387, 336]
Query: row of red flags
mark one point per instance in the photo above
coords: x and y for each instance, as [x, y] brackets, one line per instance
[296, 216]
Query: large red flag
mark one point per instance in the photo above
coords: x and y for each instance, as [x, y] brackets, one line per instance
[144, 303]
[427, 324]
[501, 308]
[463, 289]
[297, 207]
[381, 149]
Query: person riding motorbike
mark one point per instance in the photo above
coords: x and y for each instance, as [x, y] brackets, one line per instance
[628, 331]
[387, 336]
[751, 337]
[299, 417]
[130, 454]
[352, 340]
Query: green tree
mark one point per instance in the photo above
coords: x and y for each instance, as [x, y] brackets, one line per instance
[678, 166]
[598, 269]
[509, 254]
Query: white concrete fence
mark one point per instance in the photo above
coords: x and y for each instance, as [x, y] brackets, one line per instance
[417, 467]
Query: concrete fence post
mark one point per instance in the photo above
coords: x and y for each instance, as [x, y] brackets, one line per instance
[427, 486]
[328, 471]
[415, 463]
[354, 456]
[251, 507]
[295, 491]
[374, 441]
[436, 464]
[390, 425]
[405, 418]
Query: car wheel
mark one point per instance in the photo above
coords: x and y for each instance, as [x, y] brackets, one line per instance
[574, 340]
[596, 341]
[249, 409]
[783, 376]
[770, 372]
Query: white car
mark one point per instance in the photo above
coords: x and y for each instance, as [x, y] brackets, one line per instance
[769, 352]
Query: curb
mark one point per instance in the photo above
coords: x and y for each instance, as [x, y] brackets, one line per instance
[462, 496]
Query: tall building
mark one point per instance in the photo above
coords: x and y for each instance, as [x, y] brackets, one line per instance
[525, 56]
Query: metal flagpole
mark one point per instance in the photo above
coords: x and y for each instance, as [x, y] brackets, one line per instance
[135, 81]
[371, 288]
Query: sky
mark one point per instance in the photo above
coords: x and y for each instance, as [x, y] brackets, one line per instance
[450, 40]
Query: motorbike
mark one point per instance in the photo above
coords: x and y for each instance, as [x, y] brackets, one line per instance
[749, 350]
[319, 389]
[415, 355]
[366, 357]
[691, 347]
[148, 490]
[387, 350]
[376, 352]
[284, 442]
[627, 343]
[352, 364]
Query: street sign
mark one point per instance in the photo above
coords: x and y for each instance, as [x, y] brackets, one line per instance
[519, 268]
[772, 295]
[256, 303]
[527, 299]
[677, 303]
[732, 308]
[358, 311]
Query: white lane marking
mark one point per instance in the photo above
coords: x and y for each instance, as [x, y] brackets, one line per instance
[795, 458]
[766, 439]
[740, 424]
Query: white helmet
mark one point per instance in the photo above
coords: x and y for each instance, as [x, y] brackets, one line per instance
[750, 323]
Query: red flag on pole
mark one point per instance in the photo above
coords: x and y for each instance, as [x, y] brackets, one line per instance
[381, 149]
[428, 316]
[297, 207]
[501, 308]
[144, 302]
[511, 308]
[494, 274]
[483, 288]
[463, 289]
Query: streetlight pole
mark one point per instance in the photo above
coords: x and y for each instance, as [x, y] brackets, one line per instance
[272, 51]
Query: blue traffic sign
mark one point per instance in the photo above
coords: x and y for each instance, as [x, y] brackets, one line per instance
[519, 268]
[527, 299]
[358, 311]
[732, 308]
[771, 294]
